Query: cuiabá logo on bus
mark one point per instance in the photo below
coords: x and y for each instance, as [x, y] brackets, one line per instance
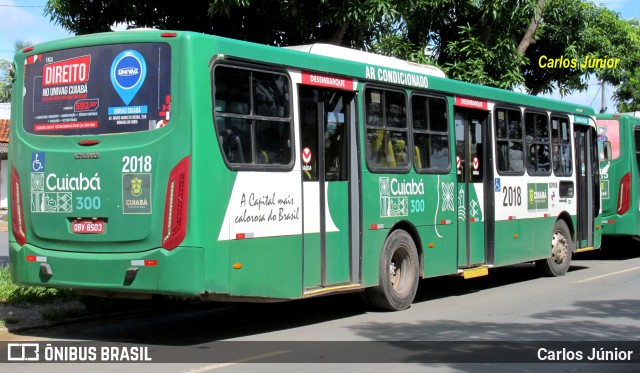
[538, 196]
[395, 187]
[66, 182]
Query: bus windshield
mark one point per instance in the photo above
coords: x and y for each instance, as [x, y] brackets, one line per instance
[66, 94]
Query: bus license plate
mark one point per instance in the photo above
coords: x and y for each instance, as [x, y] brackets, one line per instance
[88, 226]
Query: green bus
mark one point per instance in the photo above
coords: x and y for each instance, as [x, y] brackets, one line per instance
[620, 173]
[167, 162]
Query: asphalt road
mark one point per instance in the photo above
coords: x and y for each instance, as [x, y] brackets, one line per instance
[598, 300]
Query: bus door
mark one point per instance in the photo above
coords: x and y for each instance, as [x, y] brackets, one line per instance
[472, 168]
[588, 188]
[326, 129]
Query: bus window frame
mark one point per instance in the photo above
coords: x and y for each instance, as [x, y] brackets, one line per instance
[636, 144]
[407, 130]
[496, 139]
[261, 68]
[428, 170]
[528, 144]
[561, 115]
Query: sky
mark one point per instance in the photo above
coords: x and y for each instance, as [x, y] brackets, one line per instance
[24, 20]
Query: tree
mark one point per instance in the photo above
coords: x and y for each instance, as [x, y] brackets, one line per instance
[6, 80]
[576, 30]
[475, 41]
[627, 93]
[501, 43]
[271, 22]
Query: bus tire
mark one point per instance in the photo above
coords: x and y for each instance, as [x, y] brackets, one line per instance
[561, 249]
[398, 273]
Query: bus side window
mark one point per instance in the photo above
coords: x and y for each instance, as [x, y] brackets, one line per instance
[509, 151]
[232, 146]
[636, 137]
[561, 139]
[531, 155]
[430, 133]
[543, 158]
[386, 128]
[538, 147]
[252, 116]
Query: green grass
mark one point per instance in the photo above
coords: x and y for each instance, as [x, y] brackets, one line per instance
[12, 294]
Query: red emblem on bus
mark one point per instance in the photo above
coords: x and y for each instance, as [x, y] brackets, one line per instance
[306, 155]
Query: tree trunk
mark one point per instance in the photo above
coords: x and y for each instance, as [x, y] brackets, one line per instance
[527, 39]
[338, 34]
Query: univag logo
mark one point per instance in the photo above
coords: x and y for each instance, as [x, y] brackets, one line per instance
[128, 72]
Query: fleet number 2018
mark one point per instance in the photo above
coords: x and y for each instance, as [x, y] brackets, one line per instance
[136, 164]
[512, 196]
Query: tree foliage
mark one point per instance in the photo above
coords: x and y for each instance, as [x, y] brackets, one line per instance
[501, 42]
[578, 30]
[627, 93]
[274, 22]
[492, 42]
[6, 80]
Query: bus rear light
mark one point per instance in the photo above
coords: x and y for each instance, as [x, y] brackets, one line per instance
[17, 214]
[624, 194]
[242, 236]
[168, 35]
[37, 259]
[174, 227]
[144, 263]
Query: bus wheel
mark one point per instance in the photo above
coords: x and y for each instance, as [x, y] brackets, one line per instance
[398, 273]
[561, 248]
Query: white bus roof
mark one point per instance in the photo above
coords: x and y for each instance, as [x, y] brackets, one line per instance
[633, 113]
[335, 51]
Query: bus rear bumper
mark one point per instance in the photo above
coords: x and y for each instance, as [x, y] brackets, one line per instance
[180, 271]
[621, 225]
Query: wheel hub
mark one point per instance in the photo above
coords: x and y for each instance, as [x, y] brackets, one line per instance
[393, 273]
[559, 250]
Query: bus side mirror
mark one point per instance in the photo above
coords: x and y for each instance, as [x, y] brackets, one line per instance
[607, 150]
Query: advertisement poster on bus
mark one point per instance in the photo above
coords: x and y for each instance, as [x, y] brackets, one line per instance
[65, 90]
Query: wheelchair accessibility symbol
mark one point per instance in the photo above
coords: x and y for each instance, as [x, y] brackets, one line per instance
[37, 162]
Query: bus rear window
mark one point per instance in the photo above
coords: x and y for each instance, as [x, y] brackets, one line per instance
[609, 130]
[97, 90]
[636, 134]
